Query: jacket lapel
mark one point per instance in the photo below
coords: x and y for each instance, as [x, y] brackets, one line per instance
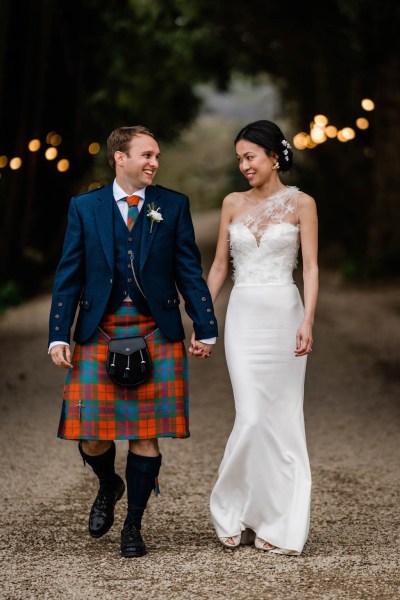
[152, 196]
[105, 223]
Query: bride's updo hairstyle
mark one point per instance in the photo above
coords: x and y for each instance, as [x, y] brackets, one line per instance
[268, 135]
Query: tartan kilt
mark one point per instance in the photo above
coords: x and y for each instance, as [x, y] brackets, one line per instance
[94, 408]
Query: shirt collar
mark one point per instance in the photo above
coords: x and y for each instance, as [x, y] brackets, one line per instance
[119, 192]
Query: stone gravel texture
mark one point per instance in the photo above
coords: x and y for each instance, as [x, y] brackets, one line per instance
[353, 432]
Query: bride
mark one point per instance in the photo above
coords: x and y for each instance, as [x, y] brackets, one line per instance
[262, 493]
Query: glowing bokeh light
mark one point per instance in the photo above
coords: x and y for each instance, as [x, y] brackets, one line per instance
[51, 153]
[94, 148]
[300, 140]
[367, 104]
[318, 135]
[63, 165]
[310, 143]
[348, 133]
[3, 161]
[331, 131]
[55, 139]
[15, 163]
[34, 145]
[49, 136]
[362, 123]
[321, 120]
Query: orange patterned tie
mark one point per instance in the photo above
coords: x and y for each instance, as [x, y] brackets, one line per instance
[133, 210]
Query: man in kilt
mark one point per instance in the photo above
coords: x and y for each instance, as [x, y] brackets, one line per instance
[129, 248]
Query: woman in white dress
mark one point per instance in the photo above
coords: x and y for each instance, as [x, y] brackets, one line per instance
[262, 493]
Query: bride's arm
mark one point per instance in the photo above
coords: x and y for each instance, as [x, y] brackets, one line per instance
[308, 220]
[219, 268]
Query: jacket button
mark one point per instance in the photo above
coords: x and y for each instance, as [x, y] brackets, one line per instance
[208, 309]
[129, 280]
[169, 301]
[204, 298]
[111, 280]
[129, 252]
[56, 316]
[211, 322]
[86, 302]
[59, 304]
[56, 328]
[130, 239]
[124, 293]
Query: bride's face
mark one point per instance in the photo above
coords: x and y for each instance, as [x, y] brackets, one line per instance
[254, 163]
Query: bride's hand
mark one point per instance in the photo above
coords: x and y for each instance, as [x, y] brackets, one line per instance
[304, 339]
[199, 349]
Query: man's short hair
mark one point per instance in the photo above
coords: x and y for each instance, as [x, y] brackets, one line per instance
[120, 138]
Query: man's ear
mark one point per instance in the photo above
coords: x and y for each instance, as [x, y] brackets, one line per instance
[119, 157]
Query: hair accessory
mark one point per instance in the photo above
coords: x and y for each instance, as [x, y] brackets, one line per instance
[286, 150]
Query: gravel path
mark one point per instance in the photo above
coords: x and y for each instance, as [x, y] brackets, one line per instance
[353, 432]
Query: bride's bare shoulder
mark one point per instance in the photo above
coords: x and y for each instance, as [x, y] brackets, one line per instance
[233, 198]
[233, 201]
[305, 201]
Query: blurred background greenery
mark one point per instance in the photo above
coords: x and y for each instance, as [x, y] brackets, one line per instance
[194, 72]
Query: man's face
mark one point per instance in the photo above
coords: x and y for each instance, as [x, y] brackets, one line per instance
[139, 165]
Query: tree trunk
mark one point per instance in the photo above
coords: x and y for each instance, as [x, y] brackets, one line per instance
[384, 231]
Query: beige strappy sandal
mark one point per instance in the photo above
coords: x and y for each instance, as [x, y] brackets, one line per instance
[233, 541]
[261, 544]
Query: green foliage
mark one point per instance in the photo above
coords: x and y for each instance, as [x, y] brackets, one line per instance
[9, 296]
[139, 65]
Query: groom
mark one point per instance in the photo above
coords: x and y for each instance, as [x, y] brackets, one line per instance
[129, 248]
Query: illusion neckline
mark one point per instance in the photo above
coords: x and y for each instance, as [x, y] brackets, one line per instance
[258, 242]
[274, 196]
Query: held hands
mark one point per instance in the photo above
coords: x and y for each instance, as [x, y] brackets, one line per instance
[199, 349]
[61, 356]
[304, 339]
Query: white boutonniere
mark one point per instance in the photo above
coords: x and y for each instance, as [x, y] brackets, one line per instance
[154, 214]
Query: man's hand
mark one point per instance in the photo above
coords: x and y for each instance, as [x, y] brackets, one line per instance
[61, 356]
[199, 349]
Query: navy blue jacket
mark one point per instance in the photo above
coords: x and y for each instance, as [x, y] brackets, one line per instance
[169, 261]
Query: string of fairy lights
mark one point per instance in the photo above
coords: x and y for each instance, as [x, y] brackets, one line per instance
[51, 152]
[320, 131]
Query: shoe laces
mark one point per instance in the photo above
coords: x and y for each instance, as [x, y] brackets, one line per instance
[104, 499]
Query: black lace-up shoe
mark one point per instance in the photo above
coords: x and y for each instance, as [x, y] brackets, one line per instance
[101, 515]
[132, 544]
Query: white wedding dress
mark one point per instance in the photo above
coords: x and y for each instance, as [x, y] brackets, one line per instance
[264, 480]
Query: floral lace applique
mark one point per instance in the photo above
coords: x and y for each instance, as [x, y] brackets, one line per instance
[276, 209]
[265, 241]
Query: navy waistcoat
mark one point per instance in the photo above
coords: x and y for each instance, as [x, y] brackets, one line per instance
[126, 244]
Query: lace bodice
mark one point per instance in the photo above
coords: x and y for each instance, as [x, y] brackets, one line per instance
[265, 241]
